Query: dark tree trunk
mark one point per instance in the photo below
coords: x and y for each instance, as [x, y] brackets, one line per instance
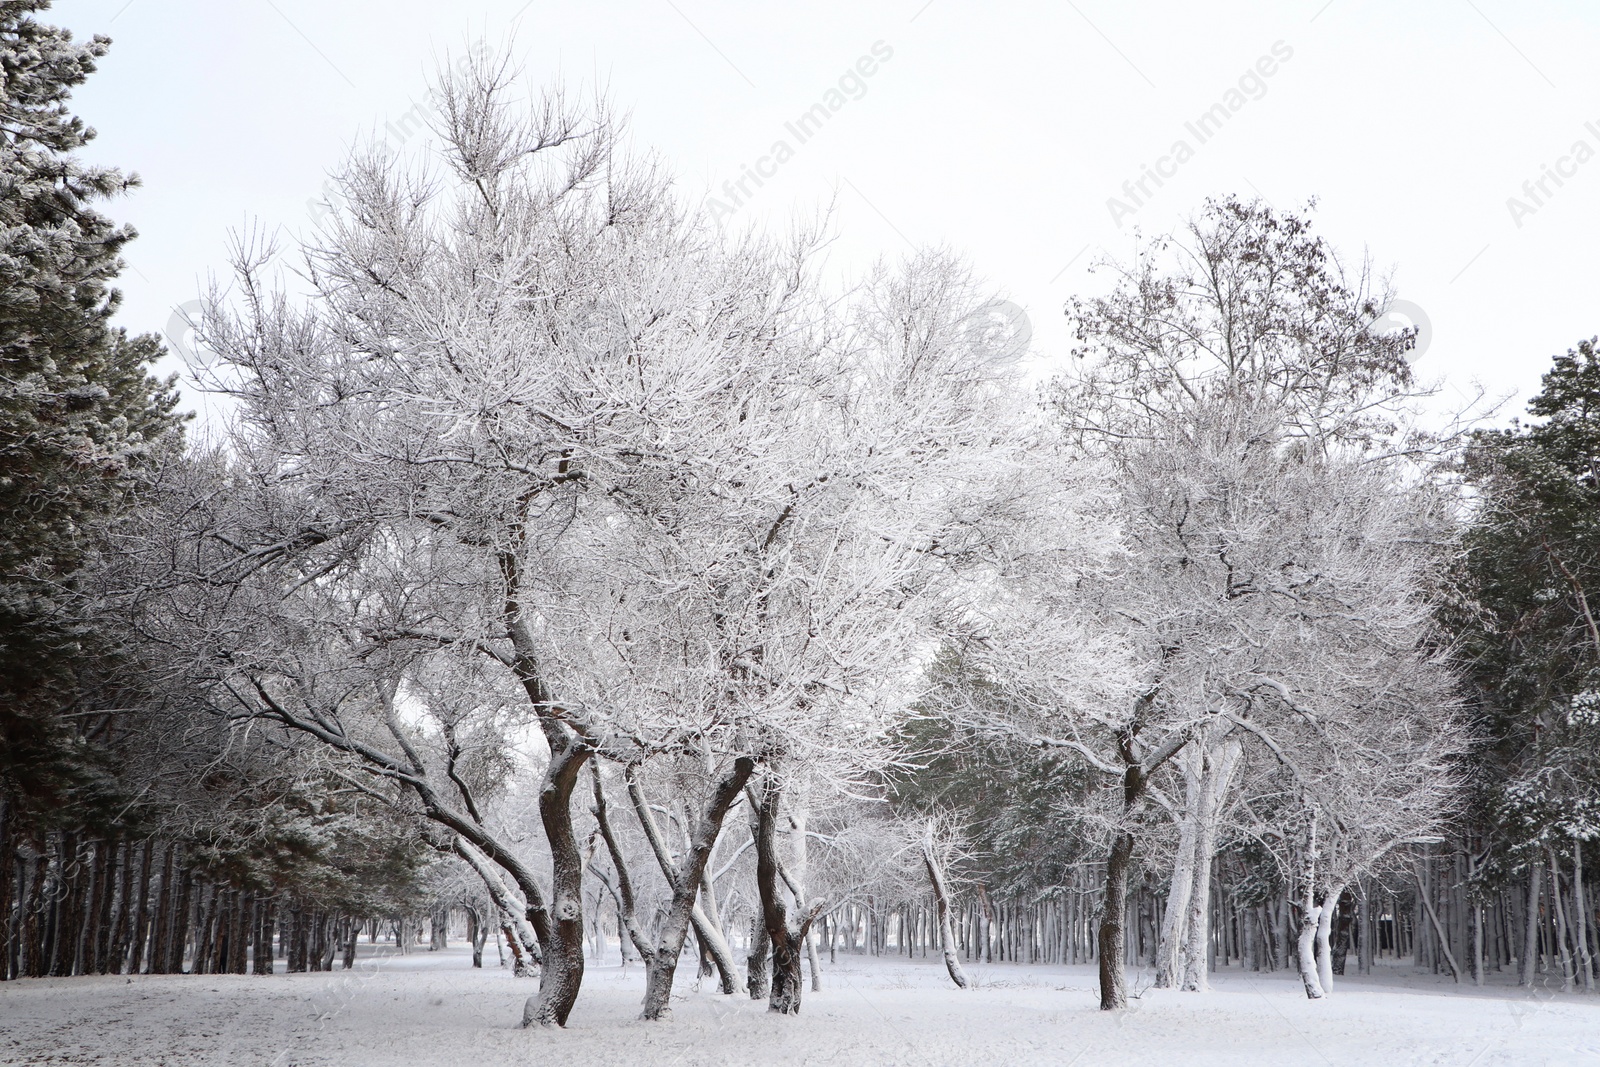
[438, 931]
[141, 915]
[121, 917]
[205, 909]
[38, 906]
[787, 933]
[264, 923]
[1343, 921]
[560, 930]
[92, 897]
[758, 981]
[477, 934]
[328, 946]
[180, 923]
[59, 936]
[520, 967]
[1113, 942]
[758, 978]
[10, 903]
[241, 914]
[685, 881]
[350, 932]
[294, 933]
[166, 900]
[562, 973]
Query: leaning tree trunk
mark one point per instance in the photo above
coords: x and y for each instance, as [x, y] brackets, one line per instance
[513, 917]
[1425, 895]
[684, 877]
[941, 900]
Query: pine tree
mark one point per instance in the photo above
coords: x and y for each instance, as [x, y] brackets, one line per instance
[80, 416]
[1531, 594]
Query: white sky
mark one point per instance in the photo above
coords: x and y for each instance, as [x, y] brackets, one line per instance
[998, 129]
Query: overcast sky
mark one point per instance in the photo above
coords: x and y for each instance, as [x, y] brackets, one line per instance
[1002, 130]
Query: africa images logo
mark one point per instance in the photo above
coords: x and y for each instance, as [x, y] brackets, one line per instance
[851, 85]
[1252, 85]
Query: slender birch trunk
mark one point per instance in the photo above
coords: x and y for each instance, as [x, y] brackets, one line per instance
[1310, 915]
[1218, 766]
[1174, 924]
[1324, 946]
[941, 899]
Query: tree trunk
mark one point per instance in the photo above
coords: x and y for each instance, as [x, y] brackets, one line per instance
[1192, 956]
[785, 932]
[265, 917]
[1368, 930]
[1438, 928]
[141, 925]
[758, 980]
[1530, 939]
[438, 929]
[122, 922]
[1325, 920]
[941, 900]
[512, 916]
[10, 906]
[795, 876]
[1309, 916]
[562, 973]
[1560, 921]
[1343, 924]
[477, 934]
[1113, 935]
[1113, 942]
[1581, 907]
[1174, 924]
[684, 878]
[180, 923]
[351, 932]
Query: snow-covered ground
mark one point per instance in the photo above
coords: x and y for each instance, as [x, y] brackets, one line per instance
[433, 1009]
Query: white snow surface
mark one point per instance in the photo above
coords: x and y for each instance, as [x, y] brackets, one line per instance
[432, 1008]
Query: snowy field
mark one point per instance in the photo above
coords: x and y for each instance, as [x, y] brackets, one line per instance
[433, 1009]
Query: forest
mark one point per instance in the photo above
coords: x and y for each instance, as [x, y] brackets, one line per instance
[592, 584]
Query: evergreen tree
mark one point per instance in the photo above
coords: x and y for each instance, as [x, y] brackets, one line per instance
[1531, 581]
[80, 417]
